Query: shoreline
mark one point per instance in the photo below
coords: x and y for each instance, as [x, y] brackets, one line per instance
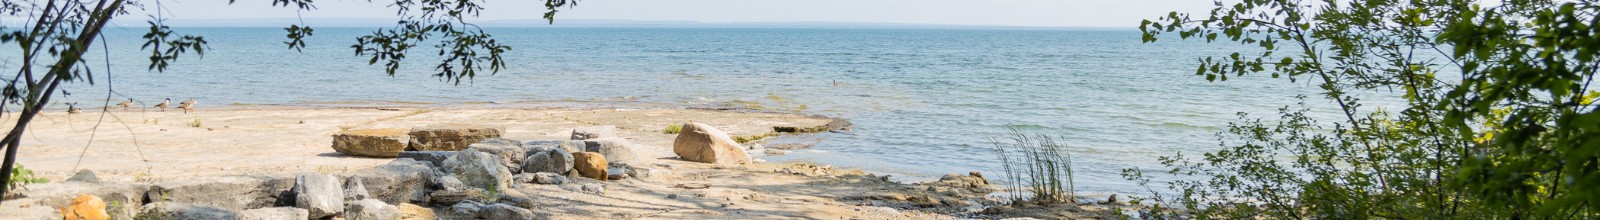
[154, 148]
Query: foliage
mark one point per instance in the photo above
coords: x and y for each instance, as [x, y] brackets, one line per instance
[195, 124]
[21, 176]
[1038, 165]
[1514, 136]
[672, 129]
[54, 36]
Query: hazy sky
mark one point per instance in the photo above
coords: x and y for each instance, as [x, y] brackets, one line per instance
[1044, 13]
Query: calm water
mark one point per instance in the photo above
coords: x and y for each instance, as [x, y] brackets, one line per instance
[925, 102]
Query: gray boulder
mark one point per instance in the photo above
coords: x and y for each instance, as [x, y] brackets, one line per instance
[185, 211]
[616, 150]
[478, 170]
[231, 192]
[86, 176]
[465, 210]
[401, 181]
[569, 146]
[319, 194]
[371, 209]
[450, 182]
[445, 197]
[541, 178]
[355, 191]
[555, 160]
[434, 158]
[511, 152]
[275, 213]
[506, 212]
[593, 132]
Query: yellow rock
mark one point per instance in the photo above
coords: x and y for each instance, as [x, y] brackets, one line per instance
[590, 164]
[86, 207]
[414, 212]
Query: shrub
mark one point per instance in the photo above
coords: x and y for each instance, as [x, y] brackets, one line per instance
[672, 129]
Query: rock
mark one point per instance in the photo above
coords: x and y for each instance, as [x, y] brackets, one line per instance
[517, 198]
[616, 173]
[773, 152]
[184, 211]
[593, 132]
[616, 150]
[650, 173]
[548, 178]
[434, 158]
[594, 188]
[590, 164]
[371, 209]
[371, 142]
[409, 211]
[478, 169]
[450, 182]
[319, 194]
[465, 210]
[86, 207]
[230, 193]
[48, 198]
[523, 178]
[511, 152]
[86, 176]
[703, 143]
[506, 212]
[355, 191]
[569, 146]
[450, 137]
[275, 213]
[396, 182]
[555, 160]
[443, 197]
[972, 181]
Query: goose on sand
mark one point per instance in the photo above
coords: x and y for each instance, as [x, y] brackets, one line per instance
[163, 105]
[186, 105]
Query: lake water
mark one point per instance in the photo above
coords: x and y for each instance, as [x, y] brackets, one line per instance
[925, 102]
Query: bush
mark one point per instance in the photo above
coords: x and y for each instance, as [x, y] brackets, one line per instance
[1497, 119]
[22, 176]
[672, 129]
[1037, 168]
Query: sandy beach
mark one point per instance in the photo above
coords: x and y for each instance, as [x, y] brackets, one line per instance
[149, 147]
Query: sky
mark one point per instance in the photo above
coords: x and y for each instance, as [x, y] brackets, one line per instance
[1026, 13]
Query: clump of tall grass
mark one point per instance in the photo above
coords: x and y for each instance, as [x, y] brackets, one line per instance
[1037, 168]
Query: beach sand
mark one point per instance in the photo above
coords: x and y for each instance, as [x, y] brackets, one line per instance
[146, 146]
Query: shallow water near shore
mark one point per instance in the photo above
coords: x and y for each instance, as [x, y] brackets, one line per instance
[925, 102]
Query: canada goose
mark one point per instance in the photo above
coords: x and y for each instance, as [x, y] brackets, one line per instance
[837, 83]
[72, 108]
[125, 104]
[163, 105]
[186, 105]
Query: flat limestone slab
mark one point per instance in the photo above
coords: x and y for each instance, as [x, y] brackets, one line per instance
[385, 143]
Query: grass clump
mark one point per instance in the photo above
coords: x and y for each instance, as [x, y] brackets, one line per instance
[672, 129]
[195, 124]
[1037, 168]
